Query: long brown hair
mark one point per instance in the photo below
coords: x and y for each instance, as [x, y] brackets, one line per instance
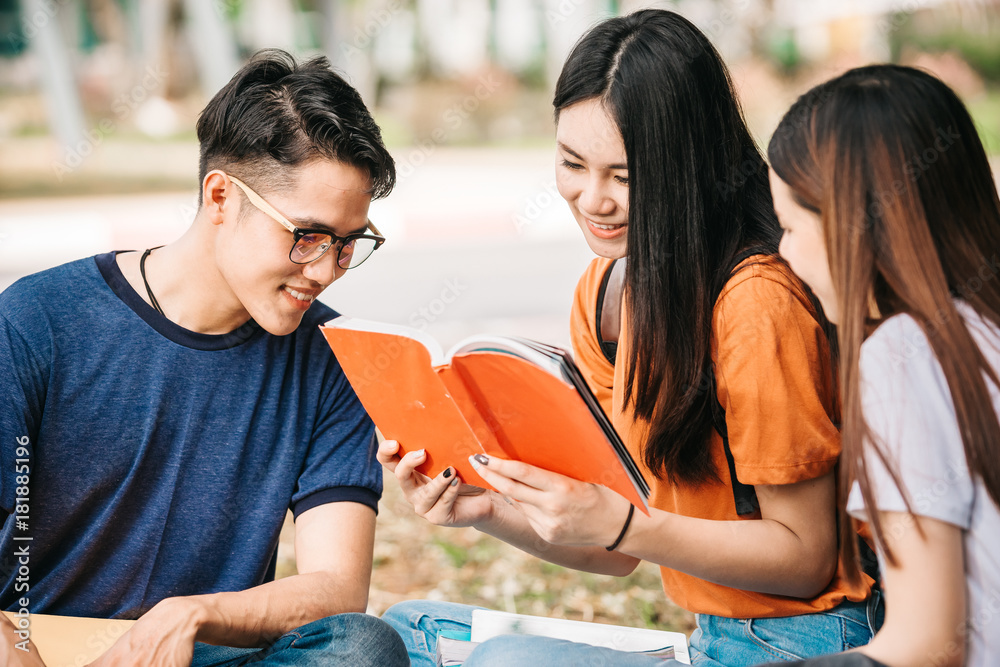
[890, 160]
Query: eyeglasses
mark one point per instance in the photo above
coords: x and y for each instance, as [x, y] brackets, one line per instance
[352, 250]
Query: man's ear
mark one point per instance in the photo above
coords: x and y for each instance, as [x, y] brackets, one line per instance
[216, 195]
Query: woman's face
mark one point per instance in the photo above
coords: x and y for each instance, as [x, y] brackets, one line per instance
[803, 245]
[592, 177]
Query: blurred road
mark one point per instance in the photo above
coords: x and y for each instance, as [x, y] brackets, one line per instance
[478, 242]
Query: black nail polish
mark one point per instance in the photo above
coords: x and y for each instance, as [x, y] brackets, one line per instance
[482, 460]
[447, 473]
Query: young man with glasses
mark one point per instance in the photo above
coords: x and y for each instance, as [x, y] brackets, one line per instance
[175, 403]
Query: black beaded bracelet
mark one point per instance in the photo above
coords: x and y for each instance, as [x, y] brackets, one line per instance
[621, 535]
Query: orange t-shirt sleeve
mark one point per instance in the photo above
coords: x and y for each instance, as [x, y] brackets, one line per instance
[773, 370]
[596, 369]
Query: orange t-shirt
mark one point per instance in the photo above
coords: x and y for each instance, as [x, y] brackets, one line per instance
[775, 382]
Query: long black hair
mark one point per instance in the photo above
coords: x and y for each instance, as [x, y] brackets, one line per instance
[698, 197]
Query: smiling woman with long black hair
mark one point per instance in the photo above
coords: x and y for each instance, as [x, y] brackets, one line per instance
[708, 354]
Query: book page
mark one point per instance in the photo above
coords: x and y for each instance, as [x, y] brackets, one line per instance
[433, 348]
[515, 347]
[453, 650]
[487, 623]
[543, 421]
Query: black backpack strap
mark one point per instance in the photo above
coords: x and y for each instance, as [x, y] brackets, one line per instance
[608, 348]
[746, 254]
[869, 561]
[744, 495]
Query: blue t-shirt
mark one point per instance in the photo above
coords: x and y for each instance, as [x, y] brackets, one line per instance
[163, 461]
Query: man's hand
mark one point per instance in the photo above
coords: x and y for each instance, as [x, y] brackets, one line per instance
[163, 637]
[10, 654]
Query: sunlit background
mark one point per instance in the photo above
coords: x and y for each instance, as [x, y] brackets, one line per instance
[98, 103]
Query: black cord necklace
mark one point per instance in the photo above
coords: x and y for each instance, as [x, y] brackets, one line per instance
[142, 270]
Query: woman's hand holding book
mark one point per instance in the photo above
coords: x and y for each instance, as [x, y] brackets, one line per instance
[443, 500]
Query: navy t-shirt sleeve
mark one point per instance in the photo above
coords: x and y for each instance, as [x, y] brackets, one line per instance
[24, 354]
[341, 463]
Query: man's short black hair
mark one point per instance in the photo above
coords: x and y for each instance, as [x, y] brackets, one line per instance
[276, 113]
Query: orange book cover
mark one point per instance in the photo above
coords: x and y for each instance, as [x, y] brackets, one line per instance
[505, 397]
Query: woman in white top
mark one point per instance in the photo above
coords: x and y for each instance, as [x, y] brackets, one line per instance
[890, 214]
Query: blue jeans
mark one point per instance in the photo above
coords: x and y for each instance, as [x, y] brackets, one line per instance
[740, 642]
[718, 641]
[357, 640]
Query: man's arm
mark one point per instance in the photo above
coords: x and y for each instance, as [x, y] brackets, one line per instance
[333, 548]
[333, 553]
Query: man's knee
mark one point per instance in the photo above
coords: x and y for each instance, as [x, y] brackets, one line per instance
[427, 615]
[402, 613]
[352, 639]
[412, 614]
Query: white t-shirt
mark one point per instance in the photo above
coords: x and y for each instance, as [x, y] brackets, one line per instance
[908, 406]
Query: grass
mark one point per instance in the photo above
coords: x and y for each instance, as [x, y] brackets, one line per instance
[416, 560]
[985, 111]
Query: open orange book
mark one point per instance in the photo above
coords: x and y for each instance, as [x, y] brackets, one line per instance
[506, 397]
